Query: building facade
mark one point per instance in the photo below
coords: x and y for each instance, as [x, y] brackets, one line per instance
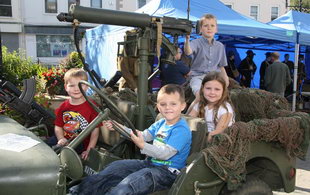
[260, 10]
[32, 26]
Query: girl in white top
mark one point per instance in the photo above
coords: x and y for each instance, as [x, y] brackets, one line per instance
[215, 105]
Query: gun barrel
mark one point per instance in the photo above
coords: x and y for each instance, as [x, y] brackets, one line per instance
[105, 16]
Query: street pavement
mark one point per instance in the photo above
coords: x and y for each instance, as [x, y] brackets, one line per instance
[302, 178]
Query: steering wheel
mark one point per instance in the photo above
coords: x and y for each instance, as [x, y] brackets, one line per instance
[111, 106]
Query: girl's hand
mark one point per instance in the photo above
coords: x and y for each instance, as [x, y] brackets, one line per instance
[210, 136]
[108, 124]
[138, 140]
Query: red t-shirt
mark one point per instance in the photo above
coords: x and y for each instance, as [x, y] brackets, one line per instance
[74, 119]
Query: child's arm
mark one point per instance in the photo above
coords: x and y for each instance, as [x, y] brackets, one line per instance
[59, 132]
[193, 113]
[92, 142]
[222, 124]
[187, 48]
[163, 152]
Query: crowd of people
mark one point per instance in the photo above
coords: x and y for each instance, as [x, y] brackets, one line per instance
[208, 77]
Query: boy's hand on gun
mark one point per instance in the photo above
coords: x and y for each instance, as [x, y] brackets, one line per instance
[137, 139]
[109, 125]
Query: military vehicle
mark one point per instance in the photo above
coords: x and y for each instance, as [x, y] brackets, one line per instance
[236, 163]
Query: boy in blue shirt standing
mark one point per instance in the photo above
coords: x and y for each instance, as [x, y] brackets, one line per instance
[167, 154]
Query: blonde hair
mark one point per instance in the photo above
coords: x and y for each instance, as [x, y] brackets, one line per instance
[75, 73]
[213, 76]
[207, 16]
[172, 88]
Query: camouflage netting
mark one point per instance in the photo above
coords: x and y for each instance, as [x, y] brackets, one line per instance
[260, 116]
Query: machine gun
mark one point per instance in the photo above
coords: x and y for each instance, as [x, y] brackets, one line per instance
[150, 38]
[22, 102]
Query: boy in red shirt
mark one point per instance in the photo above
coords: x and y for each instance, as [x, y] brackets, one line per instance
[74, 114]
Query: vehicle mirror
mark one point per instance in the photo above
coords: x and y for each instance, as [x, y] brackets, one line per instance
[72, 162]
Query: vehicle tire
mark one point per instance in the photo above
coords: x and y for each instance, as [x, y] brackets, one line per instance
[253, 186]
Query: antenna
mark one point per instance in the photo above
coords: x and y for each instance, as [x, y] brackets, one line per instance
[188, 8]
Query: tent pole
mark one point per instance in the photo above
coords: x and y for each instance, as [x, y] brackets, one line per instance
[188, 8]
[295, 75]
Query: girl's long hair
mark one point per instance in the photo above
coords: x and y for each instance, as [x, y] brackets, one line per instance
[213, 76]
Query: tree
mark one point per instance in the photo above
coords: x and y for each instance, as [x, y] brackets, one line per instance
[305, 5]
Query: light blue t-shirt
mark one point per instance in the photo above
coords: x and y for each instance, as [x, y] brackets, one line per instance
[177, 136]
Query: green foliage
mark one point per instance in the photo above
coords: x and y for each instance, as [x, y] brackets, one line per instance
[305, 5]
[16, 67]
[53, 78]
[71, 61]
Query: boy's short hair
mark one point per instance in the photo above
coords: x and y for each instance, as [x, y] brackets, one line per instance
[74, 73]
[172, 88]
[207, 16]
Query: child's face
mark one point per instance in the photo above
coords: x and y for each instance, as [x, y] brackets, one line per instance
[208, 28]
[170, 106]
[72, 88]
[213, 91]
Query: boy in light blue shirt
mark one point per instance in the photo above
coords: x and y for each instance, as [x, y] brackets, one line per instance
[167, 154]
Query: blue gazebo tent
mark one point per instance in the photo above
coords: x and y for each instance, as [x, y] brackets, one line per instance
[101, 42]
[299, 23]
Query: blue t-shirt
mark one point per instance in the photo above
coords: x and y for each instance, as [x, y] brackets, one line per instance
[177, 136]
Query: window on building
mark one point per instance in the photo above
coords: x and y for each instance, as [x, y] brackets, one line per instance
[50, 6]
[141, 3]
[5, 8]
[54, 45]
[274, 12]
[70, 2]
[96, 3]
[254, 12]
[230, 6]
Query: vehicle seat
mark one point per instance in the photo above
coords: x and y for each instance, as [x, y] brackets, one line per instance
[112, 137]
[199, 130]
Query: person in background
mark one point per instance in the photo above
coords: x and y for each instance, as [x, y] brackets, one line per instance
[247, 69]
[215, 105]
[231, 69]
[301, 68]
[290, 64]
[174, 73]
[277, 76]
[264, 65]
[207, 55]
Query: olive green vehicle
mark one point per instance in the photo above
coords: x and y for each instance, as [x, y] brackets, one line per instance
[266, 165]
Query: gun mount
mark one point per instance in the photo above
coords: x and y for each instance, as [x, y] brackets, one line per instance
[22, 102]
[149, 40]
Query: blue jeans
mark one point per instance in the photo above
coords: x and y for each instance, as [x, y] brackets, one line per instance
[128, 177]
